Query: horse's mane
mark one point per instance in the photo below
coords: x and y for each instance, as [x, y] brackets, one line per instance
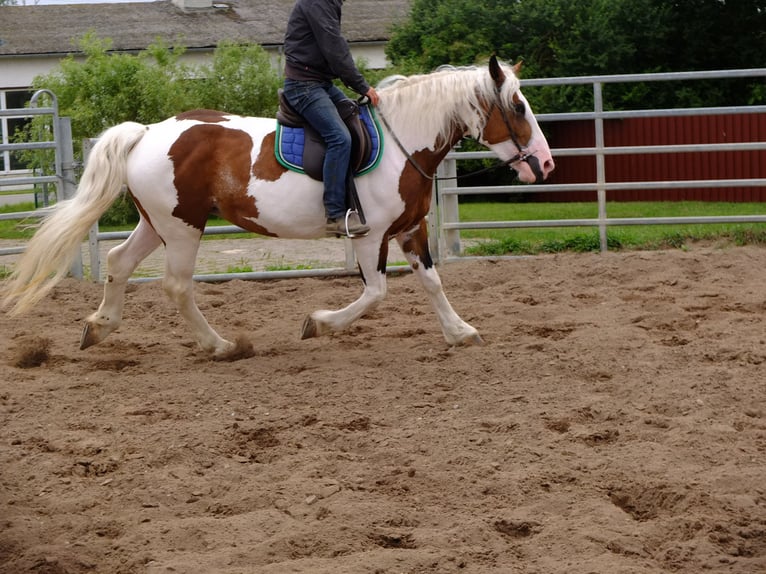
[432, 103]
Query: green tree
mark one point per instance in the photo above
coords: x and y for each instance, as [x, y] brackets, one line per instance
[587, 37]
[454, 32]
[240, 79]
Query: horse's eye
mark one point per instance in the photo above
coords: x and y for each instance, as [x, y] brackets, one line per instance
[520, 109]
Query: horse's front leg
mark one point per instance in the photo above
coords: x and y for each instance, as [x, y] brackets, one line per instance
[369, 252]
[414, 244]
[120, 264]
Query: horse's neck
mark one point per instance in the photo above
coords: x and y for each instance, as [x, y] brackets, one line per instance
[428, 148]
[442, 148]
[429, 114]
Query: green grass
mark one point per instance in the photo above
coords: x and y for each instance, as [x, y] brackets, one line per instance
[14, 228]
[241, 267]
[579, 239]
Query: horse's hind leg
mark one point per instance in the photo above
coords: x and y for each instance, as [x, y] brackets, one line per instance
[180, 258]
[414, 244]
[121, 262]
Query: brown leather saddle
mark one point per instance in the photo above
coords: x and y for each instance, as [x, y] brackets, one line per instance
[314, 147]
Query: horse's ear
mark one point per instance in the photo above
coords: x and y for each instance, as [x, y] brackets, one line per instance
[496, 71]
[517, 67]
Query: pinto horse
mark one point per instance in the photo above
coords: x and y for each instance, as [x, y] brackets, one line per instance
[181, 170]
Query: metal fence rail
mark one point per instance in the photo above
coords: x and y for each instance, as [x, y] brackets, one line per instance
[448, 245]
[349, 268]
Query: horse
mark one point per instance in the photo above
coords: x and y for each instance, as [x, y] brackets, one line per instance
[200, 162]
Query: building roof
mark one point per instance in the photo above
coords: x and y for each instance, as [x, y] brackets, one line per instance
[55, 29]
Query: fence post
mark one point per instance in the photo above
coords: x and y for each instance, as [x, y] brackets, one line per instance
[447, 172]
[434, 229]
[598, 107]
[66, 175]
[348, 250]
[93, 245]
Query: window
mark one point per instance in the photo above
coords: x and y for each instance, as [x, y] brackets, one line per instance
[12, 100]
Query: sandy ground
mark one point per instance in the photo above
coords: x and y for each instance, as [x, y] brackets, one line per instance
[613, 422]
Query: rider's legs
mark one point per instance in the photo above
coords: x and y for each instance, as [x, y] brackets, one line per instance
[315, 101]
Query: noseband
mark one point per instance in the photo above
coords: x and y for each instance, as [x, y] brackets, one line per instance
[523, 155]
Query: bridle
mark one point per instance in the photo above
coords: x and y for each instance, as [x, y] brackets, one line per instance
[522, 155]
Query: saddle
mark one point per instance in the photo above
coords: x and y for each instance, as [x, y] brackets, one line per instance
[299, 147]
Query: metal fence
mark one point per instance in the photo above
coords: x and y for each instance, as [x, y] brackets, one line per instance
[448, 224]
[64, 176]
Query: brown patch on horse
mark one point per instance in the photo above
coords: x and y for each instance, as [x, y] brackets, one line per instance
[414, 188]
[382, 258]
[418, 244]
[266, 166]
[415, 191]
[207, 116]
[212, 167]
[495, 131]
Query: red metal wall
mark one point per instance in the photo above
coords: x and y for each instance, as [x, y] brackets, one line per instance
[662, 167]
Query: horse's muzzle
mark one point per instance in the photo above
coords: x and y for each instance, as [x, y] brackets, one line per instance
[534, 164]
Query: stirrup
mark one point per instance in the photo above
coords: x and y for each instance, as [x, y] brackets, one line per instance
[346, 231]
[345, 222]
[365, 229]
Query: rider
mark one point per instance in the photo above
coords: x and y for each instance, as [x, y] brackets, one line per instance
[316, 54]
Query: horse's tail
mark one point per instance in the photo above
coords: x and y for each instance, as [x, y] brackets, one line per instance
[50, 252]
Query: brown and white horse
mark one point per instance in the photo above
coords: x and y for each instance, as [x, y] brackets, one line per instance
[183, 169]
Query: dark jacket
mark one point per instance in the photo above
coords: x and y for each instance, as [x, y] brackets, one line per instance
[315, 48]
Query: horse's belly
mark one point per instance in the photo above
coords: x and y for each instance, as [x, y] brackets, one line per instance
[292, 206]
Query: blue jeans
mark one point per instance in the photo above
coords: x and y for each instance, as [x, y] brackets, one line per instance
[315, 101]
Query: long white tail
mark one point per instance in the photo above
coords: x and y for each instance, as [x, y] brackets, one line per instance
[50, 252]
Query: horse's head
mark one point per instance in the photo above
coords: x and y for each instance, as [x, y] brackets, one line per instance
[511, 130]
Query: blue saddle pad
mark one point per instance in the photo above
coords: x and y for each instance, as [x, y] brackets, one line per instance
[291, 142]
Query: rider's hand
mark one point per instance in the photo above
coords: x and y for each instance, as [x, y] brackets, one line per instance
[373, 95]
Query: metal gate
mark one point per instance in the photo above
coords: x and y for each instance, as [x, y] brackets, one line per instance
[64, 176]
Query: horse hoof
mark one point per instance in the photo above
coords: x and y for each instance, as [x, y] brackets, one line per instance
[88, 337]
[475, 339]
[242, 348]
[309, 329]
[470, 339]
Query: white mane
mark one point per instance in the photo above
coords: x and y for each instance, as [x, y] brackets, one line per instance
[432, 103]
